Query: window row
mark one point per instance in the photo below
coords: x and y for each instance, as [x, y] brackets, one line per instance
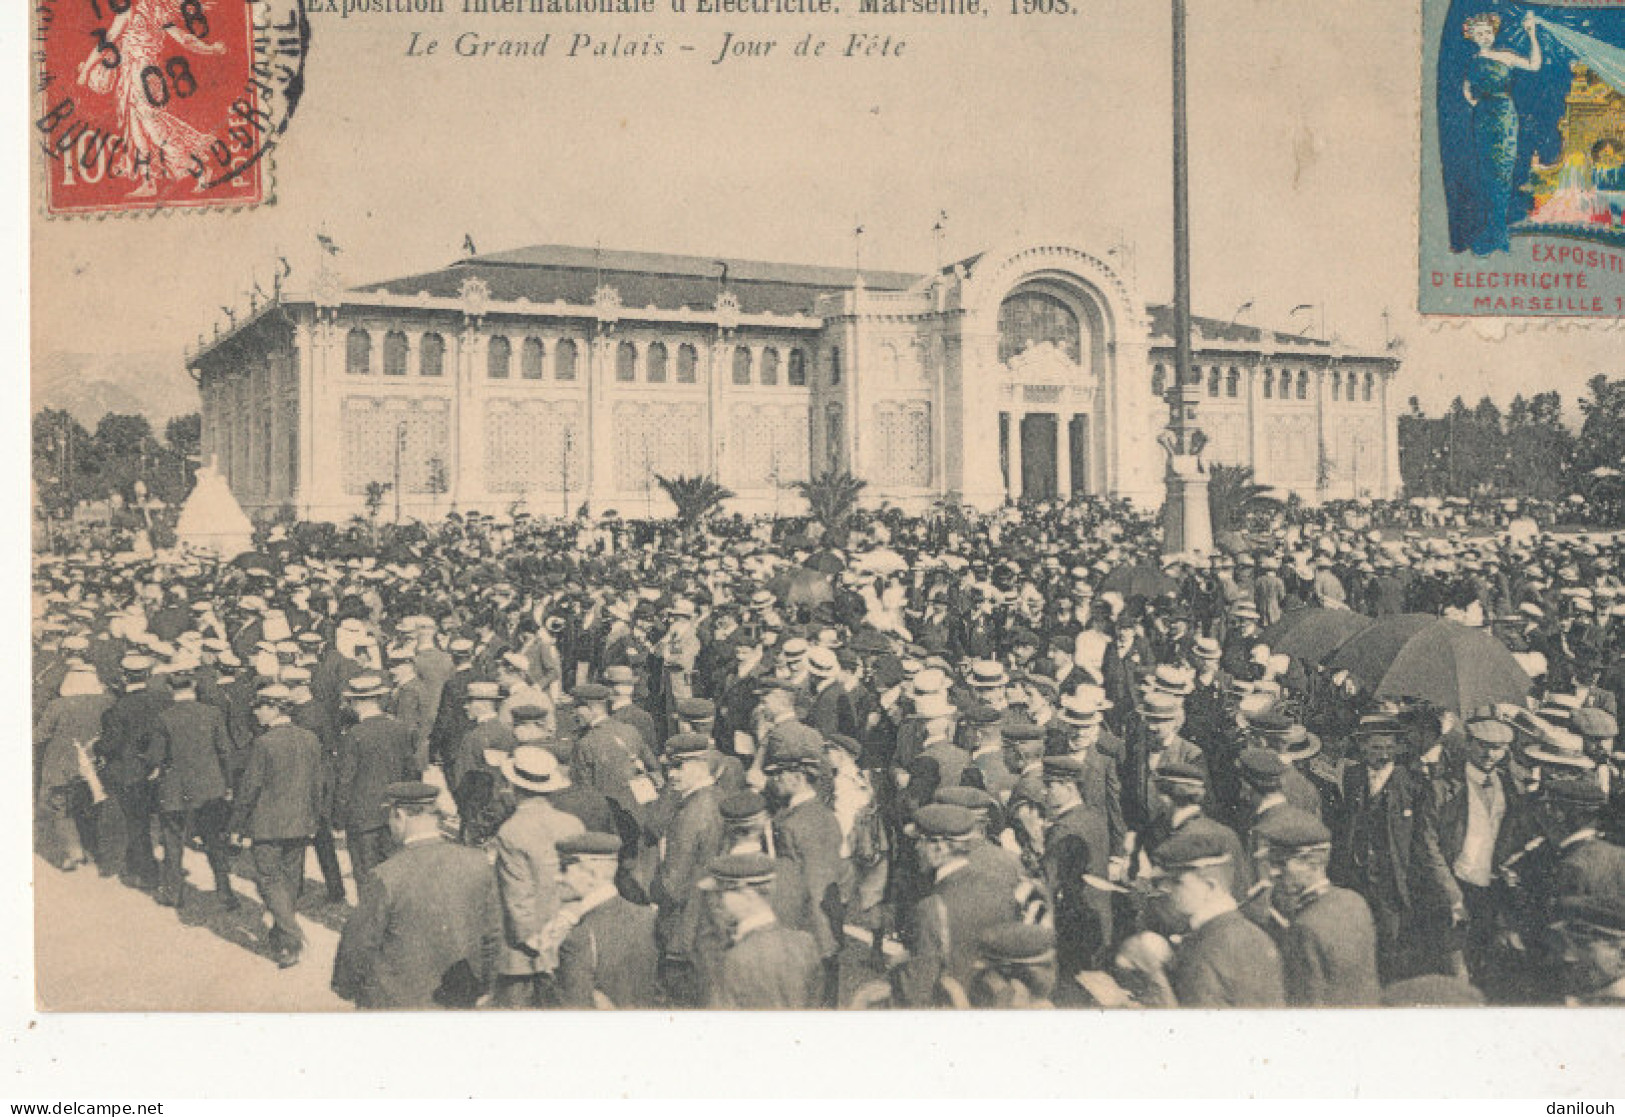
[1277, 384]
[655, 365]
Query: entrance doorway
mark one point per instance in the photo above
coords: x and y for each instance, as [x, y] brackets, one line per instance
[1039, 443]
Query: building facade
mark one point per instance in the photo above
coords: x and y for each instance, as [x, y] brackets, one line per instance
[548, 377]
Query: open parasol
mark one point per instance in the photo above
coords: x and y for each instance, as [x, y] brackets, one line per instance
[1138, 580]
[1418, 655]
[1310, 635]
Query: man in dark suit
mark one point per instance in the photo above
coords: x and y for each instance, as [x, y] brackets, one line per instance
[374, 752]
[1100, 779]
[279, 810]
[1181, 791]
[766, 964]
[1223, 960]
[1076, 846]
[451, 709]
[429, 923]
[1389, 851]
[948, 922]
[806, 832]
[191, 753]
[127, 727]
[831, 712]
[1329, 947]
[609, 958]
[692, 839]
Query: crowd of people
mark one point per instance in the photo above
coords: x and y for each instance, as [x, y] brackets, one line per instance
[1023, 759]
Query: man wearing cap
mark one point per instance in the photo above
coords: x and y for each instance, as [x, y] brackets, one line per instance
[1181, 790]
[1289, 740]
[1389, 848]
[474, 772]
[1015, 967]
[948, 922]
[429, 923]
[623, 681]
[374, 752]
[410, 703]
[1223, 961]
[68, 724]
[451, 710]
[305, 712]
[127, 726]
[527, 870]
[988, 769]
[1329, 946]
[806, 831]
[190, 752]
[608, 958]
[278, 811]
[613, 758]
[1592, 933]
[1077, 864]
[766, 964]
[1157, 742]
[1100, 779]
[691, 840]
[1477, 832]
[831, 710]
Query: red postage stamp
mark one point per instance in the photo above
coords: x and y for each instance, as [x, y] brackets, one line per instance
[164, 104]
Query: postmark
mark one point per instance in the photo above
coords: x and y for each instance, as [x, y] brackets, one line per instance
[1523, 159]
[149, 105]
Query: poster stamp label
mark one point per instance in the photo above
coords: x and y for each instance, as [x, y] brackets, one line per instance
[147, 105]
[1523, 159]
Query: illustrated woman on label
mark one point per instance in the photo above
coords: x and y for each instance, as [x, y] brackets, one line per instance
[1488, 89]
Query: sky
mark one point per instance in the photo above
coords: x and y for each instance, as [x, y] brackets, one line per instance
[1303, 161]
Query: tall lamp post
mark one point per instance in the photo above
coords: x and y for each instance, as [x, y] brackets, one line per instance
[1187, 523]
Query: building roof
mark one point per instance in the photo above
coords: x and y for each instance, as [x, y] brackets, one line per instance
[548, 273]
[1214, 329]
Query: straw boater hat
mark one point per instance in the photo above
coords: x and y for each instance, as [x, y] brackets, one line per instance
[1085, 707]
[534, 768]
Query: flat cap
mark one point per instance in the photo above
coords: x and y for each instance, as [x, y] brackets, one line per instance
[1188, 849]
[274, 695]
[1379, 725]
[1067, 767]
[527, 715]
[411, 792]
[1180, 773]
[1291, 829]
[971, 798]
[944, 820]
[591, 692]
[983, 714]
[696, 709]
[1598, 913]
[733, 871]
[1017, 944]
[483, 691]
[1021, 731]
[1579, 791]
[365, 686]
[742, 806]
[685, 746]
[589, 846]
[791, 755]
[1262, 768]
[1490, 731]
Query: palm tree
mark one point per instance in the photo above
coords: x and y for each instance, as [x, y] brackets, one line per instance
[832, 498]
[695, 497]
[1233, 495]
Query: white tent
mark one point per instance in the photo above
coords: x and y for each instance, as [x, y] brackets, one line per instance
[212, 520]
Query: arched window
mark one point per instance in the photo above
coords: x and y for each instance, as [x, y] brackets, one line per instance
[358, 352]
[394, 353]
[741, 365]
[1366, 393]
[1030, 318]
[1159, 381]
[497, 355]
[532, 359]
[626, 362]
[687, 362]
[1232, 383]
[1269, 383]
[654, 362]
[1337, 386]
[431, 355]
[1213, 382]
[564, 360]
[770, 367]
[1303, 383]
[798, 369]
[835, 365]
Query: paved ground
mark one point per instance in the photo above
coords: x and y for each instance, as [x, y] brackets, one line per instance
[102, 946]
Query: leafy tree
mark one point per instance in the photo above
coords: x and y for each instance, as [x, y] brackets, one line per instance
[1234, 495]
[832, 499]
[694, 497]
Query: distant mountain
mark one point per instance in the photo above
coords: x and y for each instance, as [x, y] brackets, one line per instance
[89, 385]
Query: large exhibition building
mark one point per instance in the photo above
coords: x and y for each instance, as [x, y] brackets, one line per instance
[551, 376]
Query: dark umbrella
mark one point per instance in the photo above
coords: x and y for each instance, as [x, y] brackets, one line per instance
[1418, 655]
[1139, 580]
[826, 562]
[1232, 543]
[807, 587]
[1310, 635]
[256, 560]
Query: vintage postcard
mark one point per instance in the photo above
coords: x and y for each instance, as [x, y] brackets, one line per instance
[826, 504]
